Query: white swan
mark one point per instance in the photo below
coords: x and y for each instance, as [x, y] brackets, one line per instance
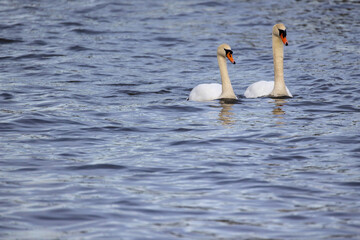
[212, 91]
[276, 88]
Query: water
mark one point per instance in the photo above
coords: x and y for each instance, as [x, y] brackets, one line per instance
[97, 140]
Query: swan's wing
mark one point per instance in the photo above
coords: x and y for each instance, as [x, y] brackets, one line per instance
[205, 92]
[288, 92]
[259, 89]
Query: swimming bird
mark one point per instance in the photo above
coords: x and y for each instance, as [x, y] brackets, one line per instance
[276, 88]
[212, 91]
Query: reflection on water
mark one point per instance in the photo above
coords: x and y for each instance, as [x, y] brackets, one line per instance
[226, 114]
[278, 112]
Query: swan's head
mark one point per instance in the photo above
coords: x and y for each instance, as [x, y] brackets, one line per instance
[279, 30]
[224, 50]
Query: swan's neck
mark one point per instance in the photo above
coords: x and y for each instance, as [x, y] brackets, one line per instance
[227, 90]
[278, 55]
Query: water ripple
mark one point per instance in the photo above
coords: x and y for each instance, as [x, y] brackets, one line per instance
[98, 141]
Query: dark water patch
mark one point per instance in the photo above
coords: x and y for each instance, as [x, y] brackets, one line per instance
[174, 108]
[229, 101]
[150, 170]
[77, 24]
[33, 121]
[87, 66]
[295, 217]
[347, 139]
[38, 43]
[287, 157]
[88, 31]
[188, 71]
[208, 4]
[306, 77]
[222, 164]
[136, 93]
[6, 96]
[78, 48]
[6, 58]
[189, 143]
[130, 203]
[272, 135]
[169, 39]
[96, 167]
[9, 41]
[33, 68]
[143, 57]
[348, 108]
[120, 84]
[37, 56]
[102, 129]
[129, 129]
[350, 184]
[356, 150]
[60, 216]
[182, 130]
[11, 26]
[76, 81]
[241, 181]
[210, 56]
[65, 217]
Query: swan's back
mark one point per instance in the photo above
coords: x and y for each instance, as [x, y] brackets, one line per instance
[259, 89]
[205, 92]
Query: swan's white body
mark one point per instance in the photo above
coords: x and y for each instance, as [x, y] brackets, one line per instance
[262, 89]
[212, 91]
[276, 88]
[205, 92]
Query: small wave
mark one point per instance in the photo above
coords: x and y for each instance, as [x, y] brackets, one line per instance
[96, 167]
[37, 56]
[9, 41]
[295, 217]
[71, 24]
[169, 39]
[175, 108]
[78, 48]
[11, 26]
[38, 43]
[208, 4]
[134, 93]
[6, 96]
[350, 184]
[88, 31]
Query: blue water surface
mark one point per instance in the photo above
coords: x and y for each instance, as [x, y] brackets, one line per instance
[98, 141]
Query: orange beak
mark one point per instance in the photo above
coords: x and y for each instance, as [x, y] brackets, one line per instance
[230, 57]
[284, 40]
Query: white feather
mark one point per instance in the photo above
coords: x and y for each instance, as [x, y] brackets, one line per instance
[205, 92]
[261, 89]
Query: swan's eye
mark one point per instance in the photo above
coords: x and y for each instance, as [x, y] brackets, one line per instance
[228, 51]
[282, 32]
